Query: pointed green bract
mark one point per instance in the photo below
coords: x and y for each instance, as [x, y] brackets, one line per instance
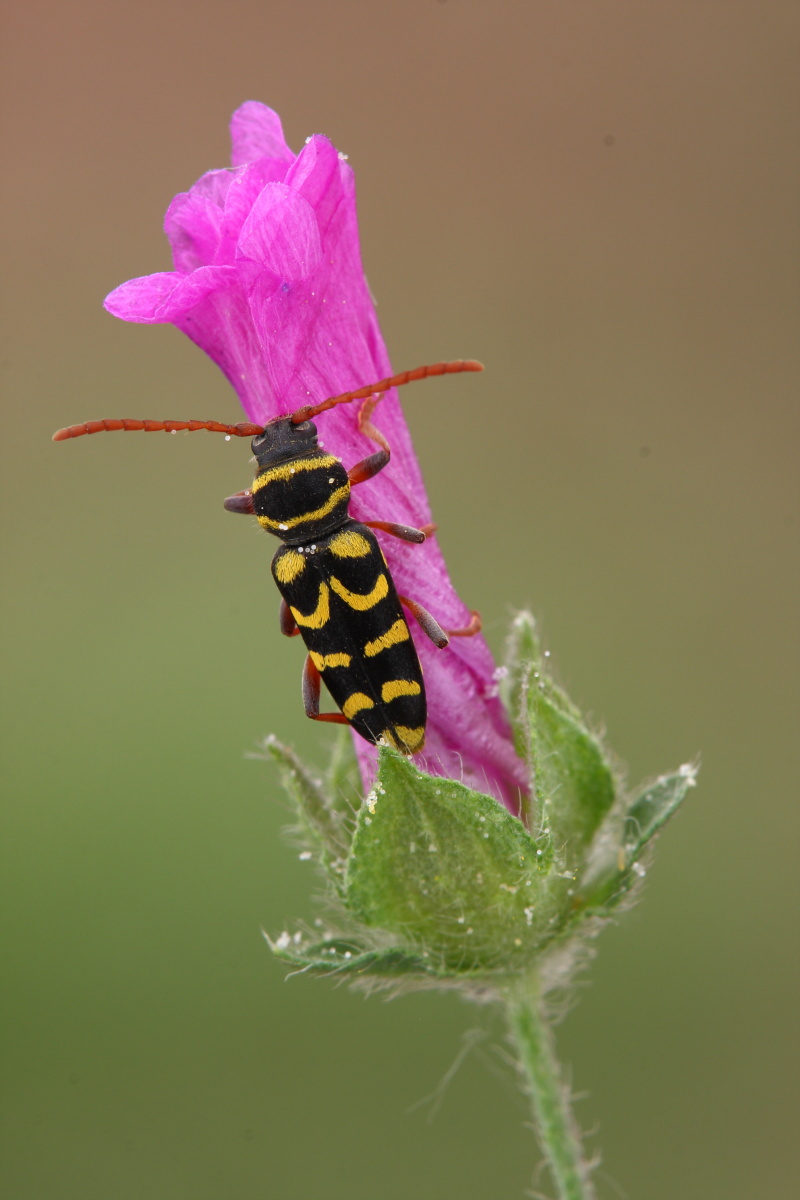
[571, 781]
[573, 784]
[343, 778]
[653, 805]
[614, 866]
[324, 827]
[347, 957]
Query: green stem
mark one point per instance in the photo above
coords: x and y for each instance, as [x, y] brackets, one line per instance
[555, 1127]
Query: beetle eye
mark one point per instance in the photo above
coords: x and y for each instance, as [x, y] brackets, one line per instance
[302, 427]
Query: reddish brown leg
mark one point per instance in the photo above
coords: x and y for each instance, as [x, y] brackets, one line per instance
[372, 465]
[428, 624]
[288, 624]
[475, 626]
[375, 462]
[311, 688]
[368, 429]
[406, 532]
[242, 502]
[368, 467]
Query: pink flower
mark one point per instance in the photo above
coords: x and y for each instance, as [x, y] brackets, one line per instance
[268, 281]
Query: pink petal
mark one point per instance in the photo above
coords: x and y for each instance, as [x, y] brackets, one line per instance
[194, 221]
[246, 185]
[256, 131]
[140, 299]
[281, 234]
[168, 295]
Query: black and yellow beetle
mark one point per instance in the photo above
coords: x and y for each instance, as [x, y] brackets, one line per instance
[336, 589]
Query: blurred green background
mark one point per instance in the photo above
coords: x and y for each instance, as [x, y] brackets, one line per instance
[596, 199]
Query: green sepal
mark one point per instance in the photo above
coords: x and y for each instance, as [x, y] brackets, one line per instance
[572, 783]
[524, 655]
[653, 805]
[343, 785]
[449, 871]
[615, 865]
[323, 827]
[342, 956]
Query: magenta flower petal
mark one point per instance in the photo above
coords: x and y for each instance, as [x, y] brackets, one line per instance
[194, 221]
[141, 299]
[256, 131]
[269, 283]
[246, 185]
[281, 235]
[169, 295]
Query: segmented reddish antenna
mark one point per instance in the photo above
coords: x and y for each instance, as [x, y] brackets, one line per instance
[245, 429]
[72, 431]
[363, 393]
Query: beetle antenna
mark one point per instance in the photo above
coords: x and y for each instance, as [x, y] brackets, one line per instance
[363, 393]
[243, 429]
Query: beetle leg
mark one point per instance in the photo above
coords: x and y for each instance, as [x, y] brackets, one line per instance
[405, 532]
[428, 624]
[241, 502]
[375, 462]
[289, 626]
[368, 467]
[440, 637]
[311, 682]
[368, 429]
[475, 626]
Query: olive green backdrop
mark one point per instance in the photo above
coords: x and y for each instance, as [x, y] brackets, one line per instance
[597, 200]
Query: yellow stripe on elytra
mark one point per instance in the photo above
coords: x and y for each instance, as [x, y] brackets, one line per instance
[286, 470]
[414, 739]
[321, 661]
[321, 613]
[333, 501]
[358, 600]
[355, 703]
[349, 545]
[289, 566]
[399, 687]
[396, 633]
[409, 741]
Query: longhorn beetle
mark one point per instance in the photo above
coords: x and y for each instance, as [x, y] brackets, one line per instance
[336, 590]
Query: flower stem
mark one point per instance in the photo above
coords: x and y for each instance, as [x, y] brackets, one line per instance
[555, 1126]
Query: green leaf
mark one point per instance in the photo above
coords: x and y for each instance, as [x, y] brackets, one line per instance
[652, 807]
[324, 826]
[522, 649]
[344, 957]
[614, 868]
[343, 778]
[572, 782]
[449, 871]
[523, 657]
